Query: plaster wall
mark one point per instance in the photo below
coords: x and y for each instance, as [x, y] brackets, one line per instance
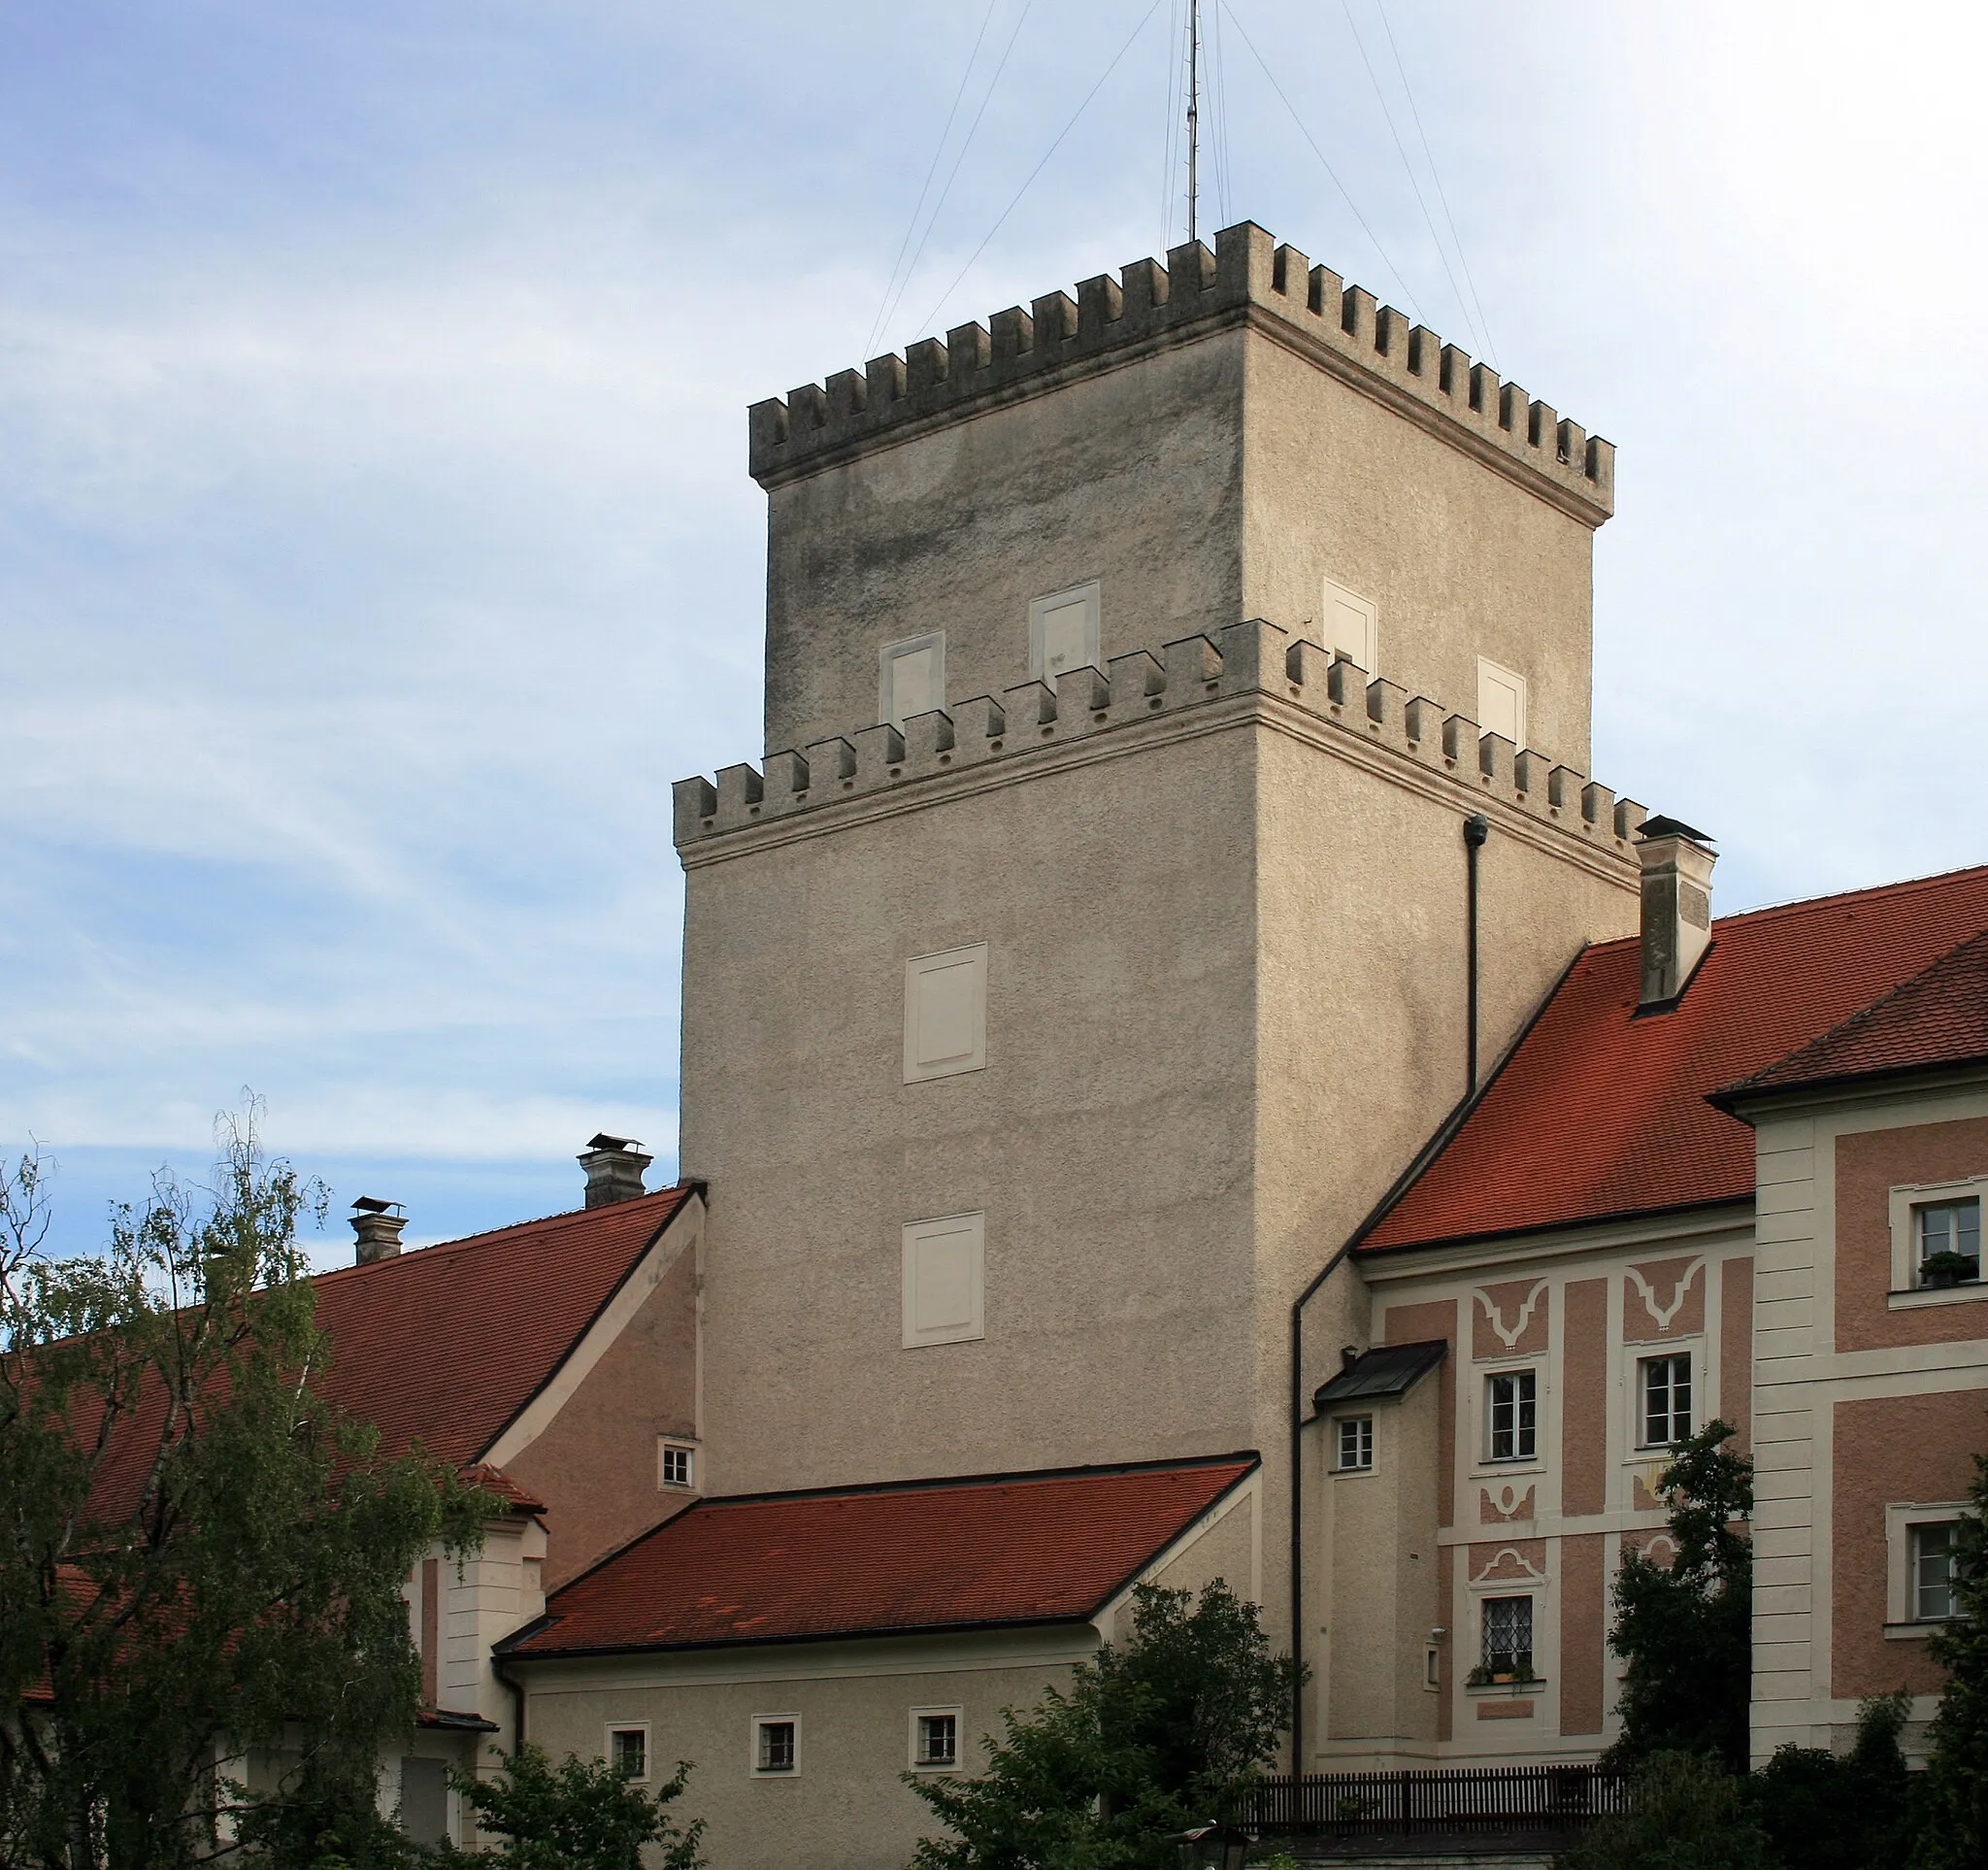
[595, 1462]
[1133, 478]
[847, 1806]
[1461, 563]
[1107, 1140]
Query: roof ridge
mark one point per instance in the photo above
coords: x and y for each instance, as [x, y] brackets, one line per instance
[414, 1255]
[1019, 1477]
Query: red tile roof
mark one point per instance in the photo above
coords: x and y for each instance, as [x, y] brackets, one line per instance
[1599, 1112]
[924, 1555]
[448, 1343]
[1937, 1018]
[445, 1344]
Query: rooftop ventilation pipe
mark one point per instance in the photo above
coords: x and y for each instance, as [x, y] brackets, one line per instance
[377, 1224]
[1676, 906]
[613, 1166]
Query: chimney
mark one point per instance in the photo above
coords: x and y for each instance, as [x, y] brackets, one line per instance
[377, 1224]
[1676, 906]
[613, 1166]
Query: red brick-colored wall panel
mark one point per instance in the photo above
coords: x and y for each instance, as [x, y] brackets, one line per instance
[1517, 1308]
[1736, 1349]
[1583, 1633]
[1890, 1450]
[1868, 1166]
[1664, 1298]
[1585, 1399]
[1423, 1325]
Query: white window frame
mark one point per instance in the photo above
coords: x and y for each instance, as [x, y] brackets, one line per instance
[886, 681]
[1340, 1463]
[974, 958]
[1671, 1355]
[1498, 674]
[1090, 597]
[1332, 596]
[975, 1227]
[957, 1716]
[668, 1444]
[1507, 1464]
[1907, 1197]
[752, 1733]
[648, 1757]
[1902, 1596]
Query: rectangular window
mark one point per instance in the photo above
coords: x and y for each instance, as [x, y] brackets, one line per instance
[628, 1751]
[946, 1013]
[943, 1281]
[1512, 1398]
[1934, 1552]
[1349, 626]
[776, 1743]
[912, 677]
[679, 1465]
[1501, 701]
[1948, 1227]
[1063, 633]
[934, 1739]
[424, 1799]
[1356, 1443]
[1666, 1389]
[1509, 1636]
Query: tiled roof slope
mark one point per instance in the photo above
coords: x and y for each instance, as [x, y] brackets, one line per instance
[443, 1345]
[926, 1556]
[1937, 1018]
[1599, 1112]
[448, 1343]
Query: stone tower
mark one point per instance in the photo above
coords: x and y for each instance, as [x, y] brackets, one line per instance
[1090, 950]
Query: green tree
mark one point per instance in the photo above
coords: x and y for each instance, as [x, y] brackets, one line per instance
[200, 1556]
[1953, 1830]
[580, 1814]
[1152, 1736]
[1685, 1813]
[1685, 1629]
[1827, 1811]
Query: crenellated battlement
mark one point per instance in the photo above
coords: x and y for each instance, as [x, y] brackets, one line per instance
[1247, 280]
[1248, 659]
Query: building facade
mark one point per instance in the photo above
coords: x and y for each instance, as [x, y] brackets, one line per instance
[1191, 1077]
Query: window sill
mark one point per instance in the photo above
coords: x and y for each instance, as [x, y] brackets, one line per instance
[1354, 1473]
[1918, 1296]
[1481, 1690]
[1908, 1632]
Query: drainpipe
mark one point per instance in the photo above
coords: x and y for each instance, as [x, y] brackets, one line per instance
[1476, 828]
[516, 1689]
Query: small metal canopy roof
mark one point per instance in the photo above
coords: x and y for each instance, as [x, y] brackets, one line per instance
[1389, 1370]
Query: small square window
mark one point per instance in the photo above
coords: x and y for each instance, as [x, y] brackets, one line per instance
[628, 1751]
[1511, 1405]
[934, 1739]
[1947, 1227]
[1665, 1391]
[1509, 1636]
[1934, 1554]
[679, 1465]
[1356, 1443]
[776, 1743]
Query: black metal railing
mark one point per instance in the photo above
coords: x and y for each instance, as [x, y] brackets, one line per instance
[1465, 1799]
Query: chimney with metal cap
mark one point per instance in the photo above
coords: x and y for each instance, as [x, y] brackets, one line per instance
[377, 1224]
[1676, 906]
[613, 1166]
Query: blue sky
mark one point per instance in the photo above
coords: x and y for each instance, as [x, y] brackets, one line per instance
[375, 544]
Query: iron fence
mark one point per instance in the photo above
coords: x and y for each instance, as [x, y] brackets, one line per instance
[1465, 1800]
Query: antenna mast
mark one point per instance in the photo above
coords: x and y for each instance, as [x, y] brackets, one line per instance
[1193, 114]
